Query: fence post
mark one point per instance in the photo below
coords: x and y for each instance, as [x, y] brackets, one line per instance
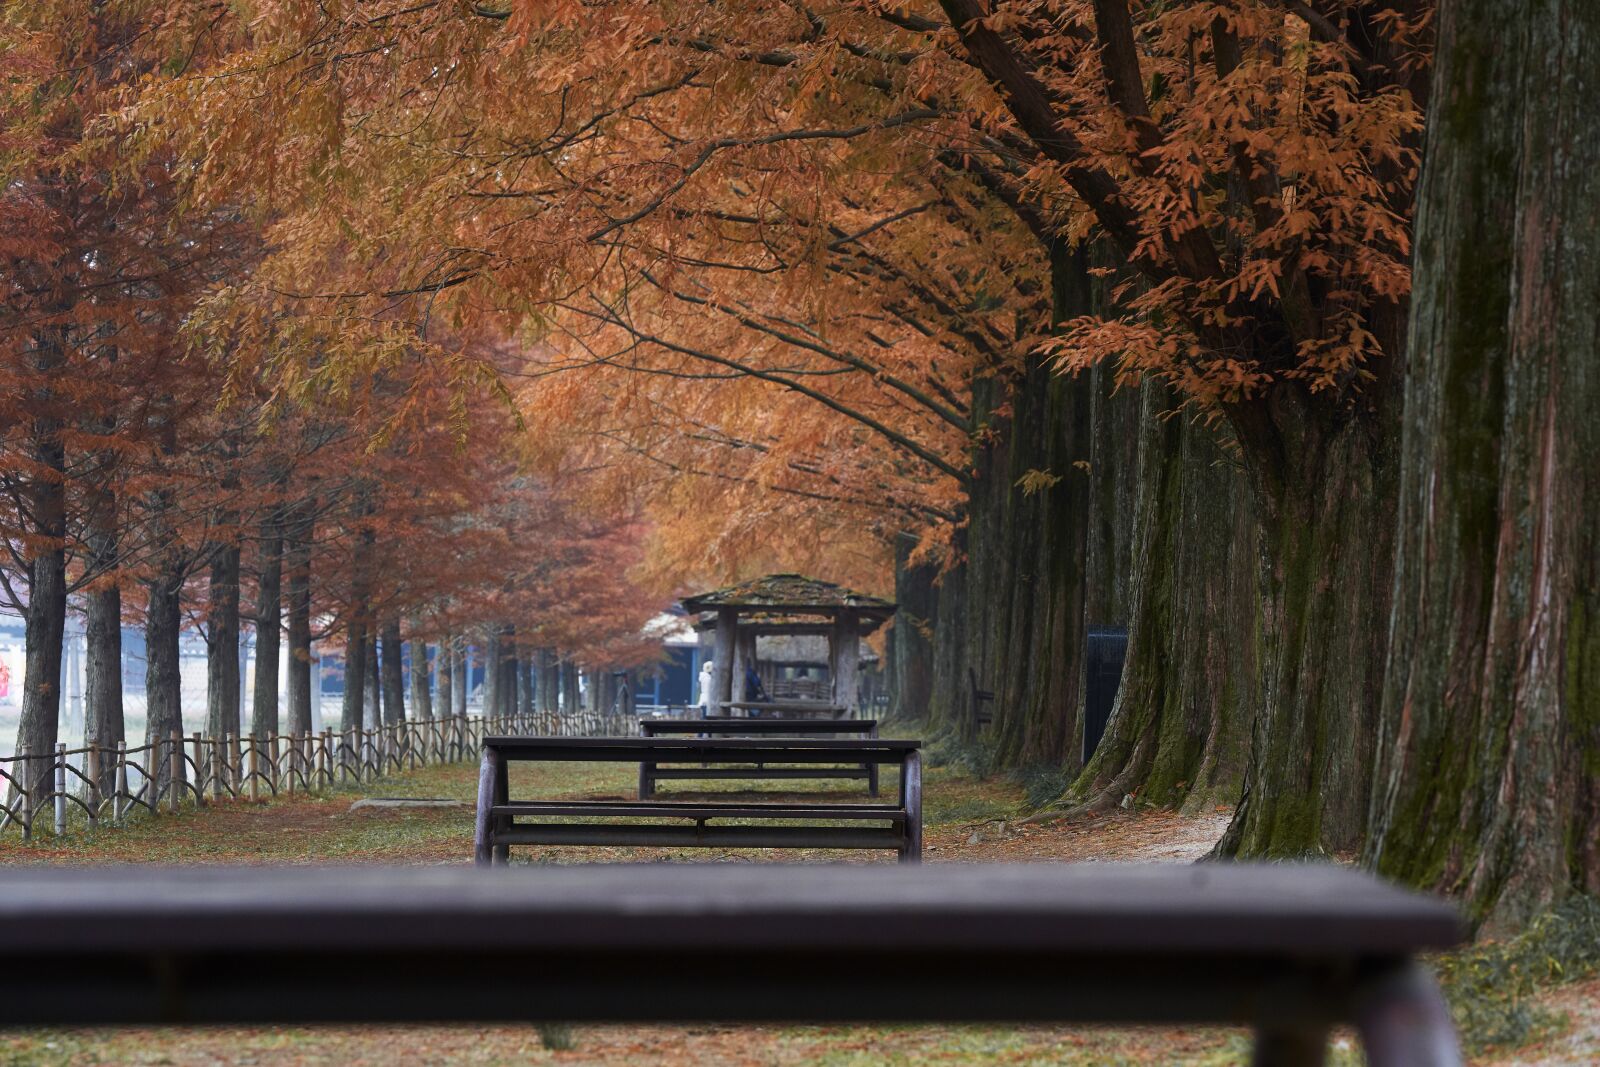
[176, 758]
[328, 754]
[61, 789]
[199, 773]
[236, 758]
[219, 762]
[118, 812]
[25, 793]
[255, 769]
[91, 767]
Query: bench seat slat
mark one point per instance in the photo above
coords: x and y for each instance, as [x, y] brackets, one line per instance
[674, 809]
[651, 835]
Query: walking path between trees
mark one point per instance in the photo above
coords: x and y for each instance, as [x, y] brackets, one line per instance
[966, 820]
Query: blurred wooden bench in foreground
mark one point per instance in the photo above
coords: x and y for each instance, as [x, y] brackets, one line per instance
[1288, 950]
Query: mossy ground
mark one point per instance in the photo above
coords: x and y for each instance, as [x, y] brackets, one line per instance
[967, 819]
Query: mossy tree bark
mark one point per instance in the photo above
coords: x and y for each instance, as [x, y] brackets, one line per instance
[1322, 484]
[1027, 539]
[1178, 729]
[1488, 782]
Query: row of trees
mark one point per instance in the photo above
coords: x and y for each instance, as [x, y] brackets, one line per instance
[1072, 312]
[159, 475]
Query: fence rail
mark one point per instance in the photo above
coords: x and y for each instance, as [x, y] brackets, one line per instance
[104, 784]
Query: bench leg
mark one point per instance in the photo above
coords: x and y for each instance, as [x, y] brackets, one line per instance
[872, 770]
[482, 832]
[1403, 1019]
[647, 781]
[502, 794]
[911, 801]
[1288, 1047]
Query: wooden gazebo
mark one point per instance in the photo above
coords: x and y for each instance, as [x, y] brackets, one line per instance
[786, 604]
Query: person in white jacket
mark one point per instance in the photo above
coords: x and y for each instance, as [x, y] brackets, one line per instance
[707, 703]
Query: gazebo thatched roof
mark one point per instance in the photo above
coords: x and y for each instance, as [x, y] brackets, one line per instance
[775, 598]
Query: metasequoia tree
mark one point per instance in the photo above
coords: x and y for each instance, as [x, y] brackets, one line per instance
[1250, 164]
[1254, 166]
[1488, 783]
[98, 271]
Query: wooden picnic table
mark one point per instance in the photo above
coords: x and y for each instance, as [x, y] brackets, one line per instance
[503, 821]
[727, 725]
[1289, 950]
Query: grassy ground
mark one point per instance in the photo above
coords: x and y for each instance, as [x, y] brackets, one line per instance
[966, 820]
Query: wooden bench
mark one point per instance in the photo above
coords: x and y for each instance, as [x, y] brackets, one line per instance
[1289, 950]
[727, 726]
[982, 700]
[895, 826]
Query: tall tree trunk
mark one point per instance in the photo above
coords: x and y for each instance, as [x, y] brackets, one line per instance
[527, 683]
[549, 681]
[222, 642]
[421, 681]
[394, 678]
[911, 654]
[39, 728]
[268, 620]
[1114, 481]
[1327, 530]
[1180, 724]
[372, 713]
[509, 671]
[460, 668]
[358, 627]
[446, 670]
[1027, 541]
[301, 672]
[163, 677]
[569, 688]
[492, 675]
[1488, 781]
[103, 724]
[354, 708]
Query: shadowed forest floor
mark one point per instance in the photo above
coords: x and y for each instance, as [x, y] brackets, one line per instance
[966, 820]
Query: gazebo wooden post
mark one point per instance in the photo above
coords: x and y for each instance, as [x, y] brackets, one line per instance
[844, 653]
[722, 670]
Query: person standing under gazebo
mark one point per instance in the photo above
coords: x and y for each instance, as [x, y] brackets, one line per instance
[708, 703]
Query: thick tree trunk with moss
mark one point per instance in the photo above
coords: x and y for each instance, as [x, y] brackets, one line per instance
[1114, 479]
[1177, 732]
[1489, 771]
[1323, 491]
[1027, 540]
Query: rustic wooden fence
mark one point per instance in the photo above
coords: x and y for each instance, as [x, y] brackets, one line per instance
[104, 785]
